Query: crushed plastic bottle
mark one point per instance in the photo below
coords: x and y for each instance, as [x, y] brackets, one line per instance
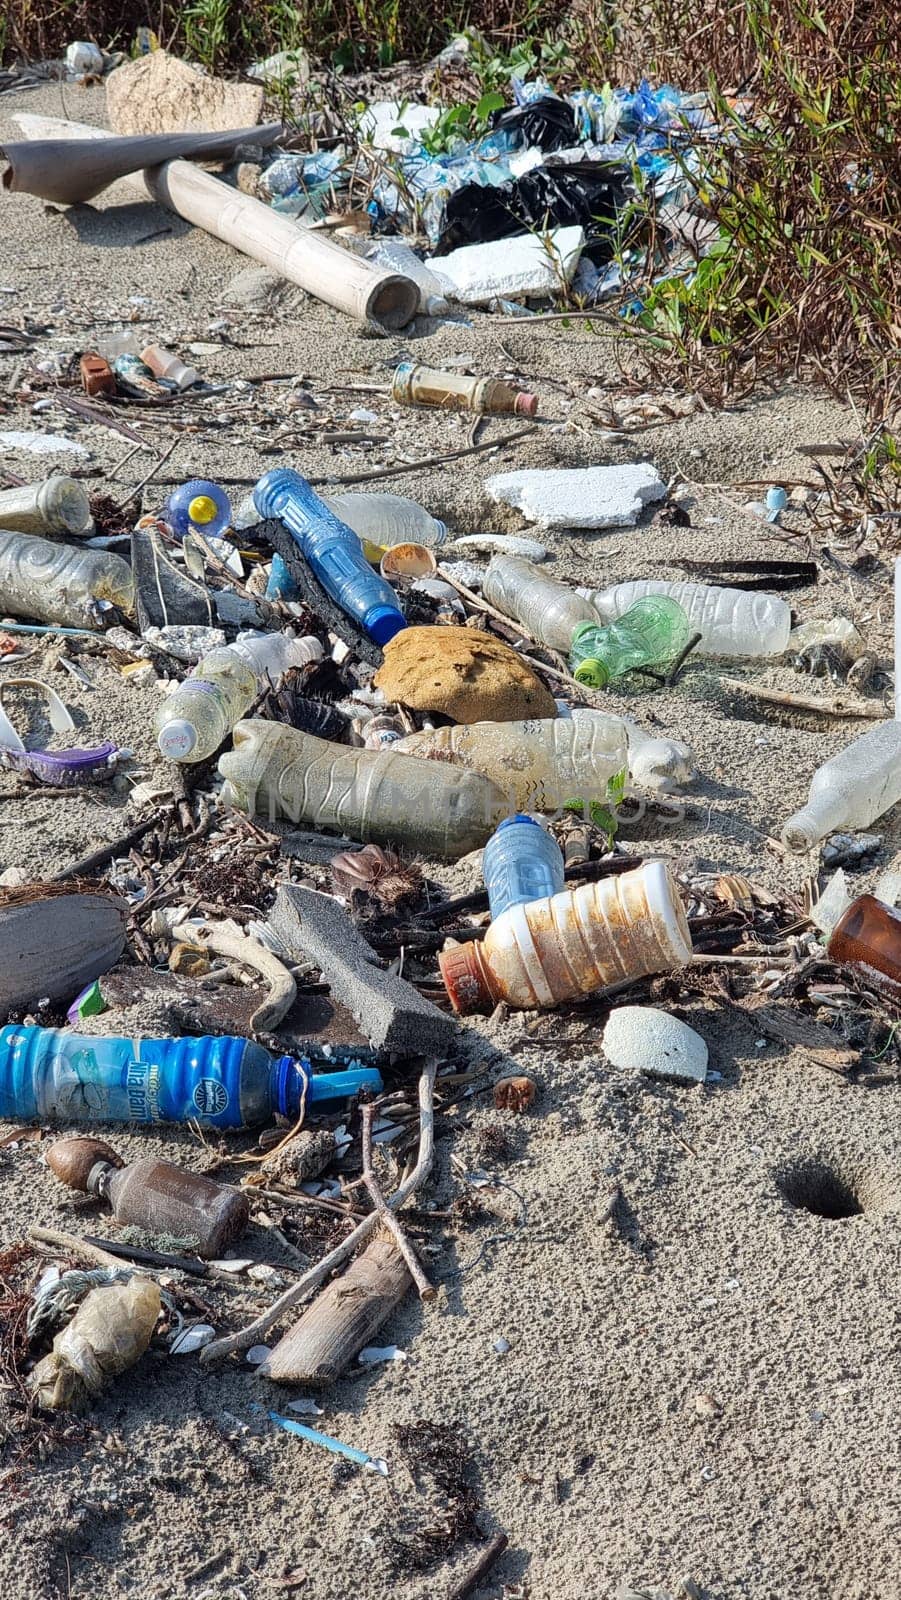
[58, 505]
[521, 862]
[49, 1075]
[540, 764]
[731, 622]
[650, 633]
[333, 551]
[108, 1334]
[850, 790]
[198, 506]
[58, 583]
[382, 520]
[549, 610]
[576, 942]
[193, 721]
[380, 797]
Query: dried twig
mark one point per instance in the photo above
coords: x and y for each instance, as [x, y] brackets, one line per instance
[425, 1290]
[840, 706]
[479, 1568]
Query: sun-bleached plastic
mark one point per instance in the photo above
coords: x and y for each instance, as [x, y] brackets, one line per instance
[577, 942]
[850, 790]
[193, 721]
[385, 519]
[57, 505]
[109, 1333]
[397, 256]
[375, 796]
[549, 610]
[59, 583]
[731, 622]
[521, 862]
[656, 762]
[539, 763]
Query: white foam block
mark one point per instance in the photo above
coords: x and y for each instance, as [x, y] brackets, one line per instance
[531, 265]
[643, 1039]
[579, 497]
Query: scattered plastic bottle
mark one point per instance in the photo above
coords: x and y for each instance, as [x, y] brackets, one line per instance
[168, 367]
[549, 610]
[198, 506]
[868, 936]
[576, 942]
[521, 862]
[58, 583]
[397, 256]
[454, 391]
[193, 721]
[48, 1075]
[539, 763]
[382, 520]
[649, 634]
[376, 796]
[731, 622]
[850, 790]
[58, 505]
[108, 1334]
[333, 551]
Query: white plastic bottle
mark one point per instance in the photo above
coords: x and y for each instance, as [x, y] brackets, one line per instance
[385, 519]
[58, 504]
[398, 257]
[731, 622]
[540, 763]
[850, 790]
[193, 721]
[549, 610]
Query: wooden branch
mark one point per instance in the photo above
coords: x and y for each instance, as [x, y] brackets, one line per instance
[479, 1568]
[840, 706]
[226, 939]
[73, 1246]
[425, 1289]
[342, 1319]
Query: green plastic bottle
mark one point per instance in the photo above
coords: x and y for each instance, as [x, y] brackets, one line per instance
[649, 634]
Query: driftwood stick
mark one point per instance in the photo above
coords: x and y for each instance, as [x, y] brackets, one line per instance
[73, 1246]
[226, 939]
[840, 706]
[304, 1287]
[425, 1290]
[342, 1319]
[479, 1568]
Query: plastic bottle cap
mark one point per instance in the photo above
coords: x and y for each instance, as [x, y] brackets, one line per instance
[177, 739]
[383, 622]
[593, 673]
[465, 978]
[202, 509]
[525, 405]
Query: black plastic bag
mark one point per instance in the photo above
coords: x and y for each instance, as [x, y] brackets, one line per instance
[548, 123]
[586, 194]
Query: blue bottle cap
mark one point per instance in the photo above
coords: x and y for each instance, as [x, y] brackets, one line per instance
[383, 622]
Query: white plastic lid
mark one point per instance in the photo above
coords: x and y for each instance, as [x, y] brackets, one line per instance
[177, 739]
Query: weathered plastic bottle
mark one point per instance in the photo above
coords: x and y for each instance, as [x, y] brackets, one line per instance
[549, 610]
[58, 583]
[165, 364]
[574, 943]
[850, 790]
[398, 257]
[193, 721]
[198, 506]
[57, 505]
[376, 796]
[649, 634]
[385, 519]
[868, 936]
[154, 1195]
[521, 862]
[333, 551]
[731, 622]
[540, 763]
[454, 391]
[50, 1075]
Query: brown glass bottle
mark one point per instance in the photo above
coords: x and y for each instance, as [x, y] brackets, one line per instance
[868, 935]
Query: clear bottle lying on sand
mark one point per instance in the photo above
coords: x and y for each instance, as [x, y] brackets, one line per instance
[375, 796]
[574, 943]
[850, 790]
[549, 610]
[193, 721]
[382, 520]
[650, 634]
[59, 583]
[539, 763]
[57, 505]
[521, 862]
[51, 1075]
[397, 256]
[454, 391]
[731, 622]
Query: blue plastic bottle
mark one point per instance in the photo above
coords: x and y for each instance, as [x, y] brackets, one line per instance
[49, 1075]
[521, 862]
[198, 506]
[333, 551]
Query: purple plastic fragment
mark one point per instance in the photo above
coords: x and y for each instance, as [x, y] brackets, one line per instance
[64, 767]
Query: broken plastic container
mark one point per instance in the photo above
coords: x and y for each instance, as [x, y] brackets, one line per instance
[850, 790]
[649, 634]
[376, 796]
[108, 1334]
[573, 943]
[48, 1075]
[382, 520]
[58, 505]
[549, 610]
[193, 721]
[731, 622]
[58, 583]
[198, 506]
[521, 862]
[539, 763]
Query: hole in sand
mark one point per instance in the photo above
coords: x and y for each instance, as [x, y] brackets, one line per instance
[836, 1192]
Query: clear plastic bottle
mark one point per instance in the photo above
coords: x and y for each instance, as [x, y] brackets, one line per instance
[382, 520]
[198, 506]
[521, 862]
[731, 622]
[650, 633]
[397, 256]
[58, 583]
[193, 721]
[376, 796]
[333, 551]
[573, 943]
[549, 610]
[51, 1075]
[165, 364]
[540, 763]
[58, 505]
[850, 790]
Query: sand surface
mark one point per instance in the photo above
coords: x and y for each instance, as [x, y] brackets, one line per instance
[708, 1390]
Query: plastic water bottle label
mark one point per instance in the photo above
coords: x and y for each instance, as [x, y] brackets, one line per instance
[210, 1097]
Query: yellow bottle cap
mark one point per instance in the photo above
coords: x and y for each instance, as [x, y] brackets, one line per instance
[202, 509]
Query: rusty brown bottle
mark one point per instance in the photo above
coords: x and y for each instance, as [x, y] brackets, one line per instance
[868, 935]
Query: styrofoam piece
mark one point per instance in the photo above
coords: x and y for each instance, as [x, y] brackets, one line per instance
[532, 264]
[382, 118]
[579, 497]
[643, 1039]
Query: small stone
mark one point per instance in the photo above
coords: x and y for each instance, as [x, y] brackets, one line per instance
[643, 1039]
[706, 1406]
[501, 1347]
[14, 877]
